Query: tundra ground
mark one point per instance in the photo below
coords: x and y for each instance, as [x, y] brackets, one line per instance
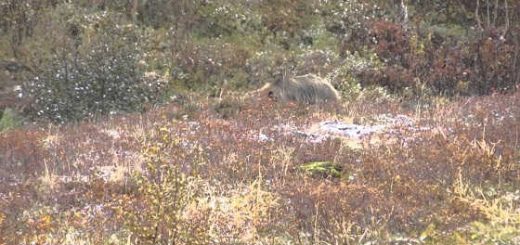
[204, 173]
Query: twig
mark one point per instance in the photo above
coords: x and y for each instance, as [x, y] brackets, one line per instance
[477, 16]
[506, 8]
[488, 21]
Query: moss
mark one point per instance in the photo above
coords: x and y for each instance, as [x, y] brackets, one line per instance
[9, 119]
[324, 169]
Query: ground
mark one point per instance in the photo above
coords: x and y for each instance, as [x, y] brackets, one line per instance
[240, 173]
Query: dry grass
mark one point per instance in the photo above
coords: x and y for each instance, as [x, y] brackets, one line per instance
[81, 183]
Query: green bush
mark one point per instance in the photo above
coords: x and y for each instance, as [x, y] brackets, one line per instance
[348, 76]
[19, 19]
[204, 65]
[264, 66]
[320, 62]
[9, 119]
[227, 18]
[348, 21]
[99, 72]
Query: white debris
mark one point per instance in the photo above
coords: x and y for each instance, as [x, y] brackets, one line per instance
[263, 138]
[113, 133]
[322, 131]
[348, 129]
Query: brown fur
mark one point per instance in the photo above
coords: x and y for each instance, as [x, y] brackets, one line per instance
[308, 89]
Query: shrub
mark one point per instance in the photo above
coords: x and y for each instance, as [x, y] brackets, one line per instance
[226, 18]
[166, 192]
[446, 59]
[19, 18]
[348, 76]
[96, 74]
[349, 21]
[319, 62]
[265, 66]
[205, 65]
[9, 119]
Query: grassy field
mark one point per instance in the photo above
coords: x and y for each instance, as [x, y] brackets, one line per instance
[199, 173]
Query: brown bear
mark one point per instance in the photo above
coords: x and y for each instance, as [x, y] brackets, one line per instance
[307, 89]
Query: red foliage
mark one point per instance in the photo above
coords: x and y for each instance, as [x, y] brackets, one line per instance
[487, 64]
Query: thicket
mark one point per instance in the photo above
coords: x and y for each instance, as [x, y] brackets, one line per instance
[411, 48]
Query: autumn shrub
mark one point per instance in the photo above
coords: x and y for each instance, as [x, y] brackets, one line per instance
[19, 19]
[96, 72]
[445, 58]
[349, 21]
[205, 65]
[500, 223]
[319, 62]
[159, 215]
[284, 18]
[391, 46]
[265, 65]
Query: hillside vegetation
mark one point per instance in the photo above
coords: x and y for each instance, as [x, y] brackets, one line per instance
[131, 122]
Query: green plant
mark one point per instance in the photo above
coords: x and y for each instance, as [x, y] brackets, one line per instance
[346, 77]
[324, 169]
[9, 119]
[97, 74]
[501, 223]
[226, 18]
[19, 18]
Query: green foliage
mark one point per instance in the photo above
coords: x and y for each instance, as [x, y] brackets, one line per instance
[9, 119]
[226, 18]
[228, 107]
[324, 169]
[349, 21]
[267, 65]
[205, 65]
[98, 74]
[346, 77]
[163, 13]
[264, 66]
[19, 18]
[502, 224]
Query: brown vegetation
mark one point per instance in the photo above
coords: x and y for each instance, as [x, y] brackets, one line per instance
[99, 181]
[153, 141]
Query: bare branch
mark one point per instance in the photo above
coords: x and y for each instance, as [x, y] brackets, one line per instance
[495, 13]
[404, 14]
[488, 21]
[477, 16]
[506, 8]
